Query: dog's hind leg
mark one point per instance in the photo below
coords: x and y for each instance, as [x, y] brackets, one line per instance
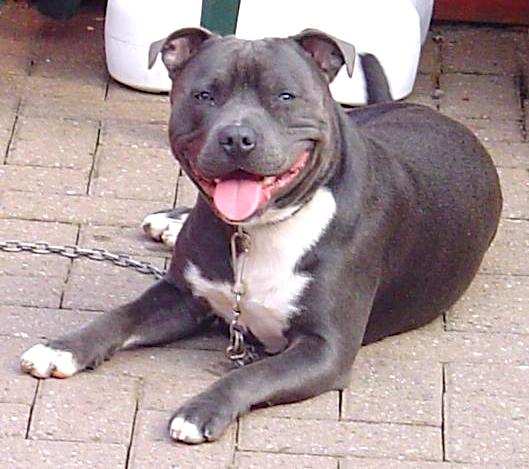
[165, 225]
[163, 313]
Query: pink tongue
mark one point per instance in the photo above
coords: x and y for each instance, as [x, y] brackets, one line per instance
[237, 199]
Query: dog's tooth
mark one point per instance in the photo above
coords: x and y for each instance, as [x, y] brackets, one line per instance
[269, 180]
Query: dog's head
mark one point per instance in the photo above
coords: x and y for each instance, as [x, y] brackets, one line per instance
[253, 122]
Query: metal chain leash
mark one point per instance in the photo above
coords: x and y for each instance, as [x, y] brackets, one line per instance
[74, 252]
[238, 351]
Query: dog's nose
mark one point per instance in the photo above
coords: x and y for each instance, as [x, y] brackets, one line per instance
[237, 140]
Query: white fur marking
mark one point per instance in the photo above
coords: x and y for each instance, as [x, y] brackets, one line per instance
[161, 227]
[42, 362]
[182, 430]
[132, 341]
[272, 284]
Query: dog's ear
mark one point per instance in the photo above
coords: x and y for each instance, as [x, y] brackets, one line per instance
[178, 47]
[328, 52]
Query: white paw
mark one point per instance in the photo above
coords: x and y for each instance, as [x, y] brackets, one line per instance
[161, 227]
[170, 235]
[182, 430]
[42, 362]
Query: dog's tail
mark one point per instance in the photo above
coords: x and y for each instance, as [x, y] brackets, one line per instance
[377, 85]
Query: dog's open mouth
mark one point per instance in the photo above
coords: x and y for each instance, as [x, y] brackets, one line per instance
[240, 194]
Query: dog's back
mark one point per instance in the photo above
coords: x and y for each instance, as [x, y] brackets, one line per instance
[454, 204]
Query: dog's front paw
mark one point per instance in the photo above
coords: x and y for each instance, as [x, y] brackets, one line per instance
[42, 361]
[165, 226]
[200, 420]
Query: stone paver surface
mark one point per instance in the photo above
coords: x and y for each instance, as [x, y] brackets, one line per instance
[83, 159]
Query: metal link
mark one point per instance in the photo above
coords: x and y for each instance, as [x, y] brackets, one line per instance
[75, 252]
[238, 351]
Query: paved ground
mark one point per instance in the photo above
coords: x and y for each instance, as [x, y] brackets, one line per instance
[83, 159]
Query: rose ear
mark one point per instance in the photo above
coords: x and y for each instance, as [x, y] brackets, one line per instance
[178, 47]
[328, 52]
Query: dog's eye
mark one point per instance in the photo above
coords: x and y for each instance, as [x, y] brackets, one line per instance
[204, 96]
[286, 96]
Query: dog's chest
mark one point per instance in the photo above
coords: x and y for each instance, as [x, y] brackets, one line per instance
[272, 284]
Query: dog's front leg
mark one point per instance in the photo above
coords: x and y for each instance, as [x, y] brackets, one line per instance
[310, 366]
[161, 314]
[323, 342]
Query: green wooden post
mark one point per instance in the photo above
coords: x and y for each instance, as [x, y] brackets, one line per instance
[220, 16]
[59, 9]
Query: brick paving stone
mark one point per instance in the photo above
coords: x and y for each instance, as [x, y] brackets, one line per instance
[33, 265]
[525, 118]
[509, 250]
[130, 240]
[493, 303]
[78, 40]
[486, 417]
[169, 394]
[65, 85]
[44, 292]
[515, 188]
[432, 344]
[16, 453]
[494, 130]
[43, 180]
[13, 420]
[37, 323]
[162, 364]
[86, 407]
[75, 209]
[87, 267]
[134, 134]
[369, 463]
[430, 60]
[509, 155]
[480, 51]
[136, 173]
[152, 447]
[7, 119]
[12, 84]
[15, 33]
[38, 265]
[15, 64]
[258, 460]
[325, 437]
[394, 391]
[65, 143]
[423, 91]
[186, 194]
[211, 339]
[152, 113]
[31, 230]
[118, 93]
[325, 406]
[101, 292]
[79, 107]
[63, 107]
[15, 387]
[469, 96]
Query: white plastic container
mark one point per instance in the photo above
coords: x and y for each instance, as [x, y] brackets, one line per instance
[393, 30]
[130, 28]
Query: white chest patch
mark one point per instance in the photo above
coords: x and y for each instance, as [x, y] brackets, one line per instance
[272, 286]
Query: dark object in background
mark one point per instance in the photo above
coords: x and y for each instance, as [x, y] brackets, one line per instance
[483, 11]
[219, 16]
[59, 9]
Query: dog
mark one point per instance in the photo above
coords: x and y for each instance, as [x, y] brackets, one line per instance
[316, 230]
